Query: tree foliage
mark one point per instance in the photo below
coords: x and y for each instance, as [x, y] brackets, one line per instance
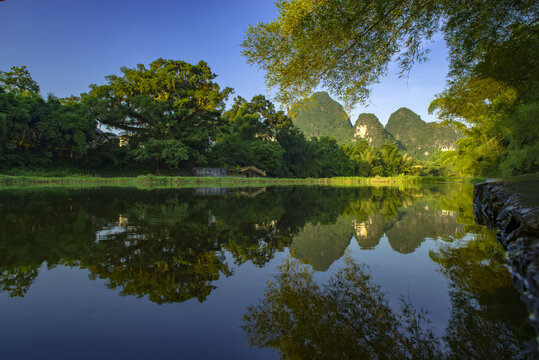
[171, 104]
[171, 117]
[35, 132]
[18, 81]
[347, 317]
[496, 105]
[346, 46]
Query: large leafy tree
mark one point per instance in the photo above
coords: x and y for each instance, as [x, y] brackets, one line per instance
[496, 105]
[18, 137]
[346, 45]
[169, 113]
[65, 129]
[20, 109]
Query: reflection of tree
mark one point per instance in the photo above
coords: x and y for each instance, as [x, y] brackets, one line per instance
[346, 318]
[167, 244]
[16, 282]
[487, 316]
[34, 230]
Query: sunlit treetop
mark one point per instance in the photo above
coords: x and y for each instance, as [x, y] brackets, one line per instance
[18, 81]
[345, 46]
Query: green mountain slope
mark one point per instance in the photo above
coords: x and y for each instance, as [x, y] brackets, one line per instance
[320, 115]
[418, 138]
[368, 127]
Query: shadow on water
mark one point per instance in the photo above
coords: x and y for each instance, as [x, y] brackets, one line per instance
[173, 245]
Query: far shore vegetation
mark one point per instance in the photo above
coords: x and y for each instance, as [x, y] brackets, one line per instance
[152, 181]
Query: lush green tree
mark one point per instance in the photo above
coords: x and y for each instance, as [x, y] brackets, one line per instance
[346, 46]
[265, 110]
[18, 81]
[169, 113]
[18, 136]
[21, 108]
[35, 132]
[65, 130]
[248, 138]
[496, 105]
[328, 158]
[386, 160]
[297, 156]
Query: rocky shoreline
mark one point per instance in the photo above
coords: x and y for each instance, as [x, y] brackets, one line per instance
[511, 206]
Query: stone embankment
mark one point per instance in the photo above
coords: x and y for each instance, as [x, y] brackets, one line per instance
[512, 207]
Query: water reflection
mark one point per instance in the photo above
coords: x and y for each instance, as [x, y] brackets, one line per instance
[348, 317]
[174, 245]
[169, 245]
[484, 322]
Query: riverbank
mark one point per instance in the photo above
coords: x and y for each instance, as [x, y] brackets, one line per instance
[151, 181]
[512, 207]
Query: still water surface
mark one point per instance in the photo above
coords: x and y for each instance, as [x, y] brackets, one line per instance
[300, 272]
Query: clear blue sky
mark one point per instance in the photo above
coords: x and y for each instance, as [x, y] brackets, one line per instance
[68, 45]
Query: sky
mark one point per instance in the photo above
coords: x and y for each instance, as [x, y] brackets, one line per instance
[68, 45]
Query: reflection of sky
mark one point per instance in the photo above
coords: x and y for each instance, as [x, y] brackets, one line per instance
[64, 313]
[68, 45]
[411, 275]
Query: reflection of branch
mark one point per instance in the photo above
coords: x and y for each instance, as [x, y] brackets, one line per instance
[349, 317]
[364, 338]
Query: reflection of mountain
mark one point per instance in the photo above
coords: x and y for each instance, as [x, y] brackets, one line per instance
[407, 231]
[320, 245]
[419, 222]
[369, 232]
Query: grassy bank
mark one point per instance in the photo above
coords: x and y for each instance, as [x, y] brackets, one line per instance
[151, 181]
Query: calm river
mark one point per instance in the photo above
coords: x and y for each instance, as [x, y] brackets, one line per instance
[296, 272]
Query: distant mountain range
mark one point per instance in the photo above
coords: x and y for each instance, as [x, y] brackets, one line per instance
[320, 115]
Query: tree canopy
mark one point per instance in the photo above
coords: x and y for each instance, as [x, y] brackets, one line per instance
[169, 112]
[346, 46]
